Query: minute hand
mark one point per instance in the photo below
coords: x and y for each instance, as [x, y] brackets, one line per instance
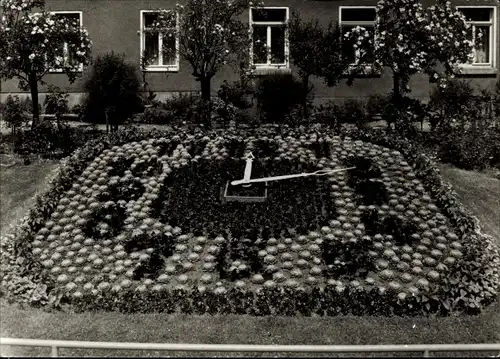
[278, 178]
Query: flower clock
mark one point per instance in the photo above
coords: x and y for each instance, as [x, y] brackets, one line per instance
[154, 216]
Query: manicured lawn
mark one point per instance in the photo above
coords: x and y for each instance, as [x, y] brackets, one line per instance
[481, 195]
[241, 329]
[18, 185]
[480, 192]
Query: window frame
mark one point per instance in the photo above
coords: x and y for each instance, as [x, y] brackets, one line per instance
[80, 13]
[367, 66]
[493, 23]
[160, 68]
[269, 24]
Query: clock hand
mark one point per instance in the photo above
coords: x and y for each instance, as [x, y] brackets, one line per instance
[248, 168]
[278, 178]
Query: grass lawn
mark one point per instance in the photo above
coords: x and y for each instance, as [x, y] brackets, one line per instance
[18, 185]
[480, 193]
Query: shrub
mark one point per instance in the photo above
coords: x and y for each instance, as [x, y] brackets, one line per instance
[327, 114]
[183, 107]
[175, 110]
[450, 102]
[352, 112]
[404, 114]
[376, 104]
[157, 114]
[237, 94]
[77, 110]
[464, 129]
[477, 147]
[28, 105]
[224, 112]
[295, 117]
[56, 102]
[236, 103]
[113, 85]
[276, 96]
[51, 141]
[496, 100]
[13, 113]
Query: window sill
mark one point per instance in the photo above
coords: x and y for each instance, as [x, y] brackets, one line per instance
[362, 71]
[477, 70]
[163, 69]
[60, 71]
[270, 70]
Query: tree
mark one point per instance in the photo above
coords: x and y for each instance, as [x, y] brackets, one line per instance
[210, 35]
[316, 52]
[113, 90]
[13, 113]
[410, 39]
[33, 43]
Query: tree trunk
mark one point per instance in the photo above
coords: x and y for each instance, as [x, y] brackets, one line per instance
[206, 98]
[107, 121]
[396, 99]
[396, 91]
[33, 82]
[205, 88]
[305, 83]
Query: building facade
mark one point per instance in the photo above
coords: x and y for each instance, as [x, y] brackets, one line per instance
[118, 25]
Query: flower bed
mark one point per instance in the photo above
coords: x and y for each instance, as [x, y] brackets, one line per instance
[142, 227]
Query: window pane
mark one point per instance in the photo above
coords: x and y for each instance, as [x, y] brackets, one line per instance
[259, 44]
[75, 18]
[149, 19]
[169, 50]
[71, 57]
[269, 15]
[152, 48]
[477, 14]
[277, 45]
[358, 14]
[482, 44]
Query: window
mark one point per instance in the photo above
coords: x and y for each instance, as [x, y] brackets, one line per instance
[68, 54]
[153, 44]
[482, 33]
[269, 37]
[351, 17]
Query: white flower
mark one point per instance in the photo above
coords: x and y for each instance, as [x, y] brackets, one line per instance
[32, 56]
